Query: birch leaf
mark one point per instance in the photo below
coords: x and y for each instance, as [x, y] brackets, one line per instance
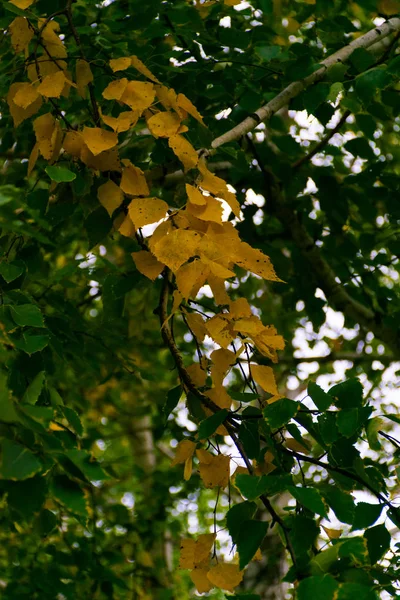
[115, 89]
[225, 576]
[214, 472]
[139, 95]
[147, 264]
[139, 66]
[265, 378]
[176, 248]
[98, 140]
[84, 76]
[21, 34]
[144, 211]
[184, 450]
[164, 124]
[133, 181]
[26, 95]
[110, 196]
[120, 64]
[189, 107]
[52, 85]
[184, 151]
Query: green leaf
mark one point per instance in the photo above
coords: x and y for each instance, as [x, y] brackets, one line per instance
[46, 522]
[27, 315]
[394, 66]
[361, 59]
[60, 174]
[243, 396]
[249, 433]
[238, 514]
[89, 467]
[355, 549]
[341, 503]
[310, 498]
[303, 532]
[378, 542]
[244, 597]
[98, 224]
[70, 494]
[352, 591]
[209, 426]
[34, 389]
[173, 397]
[14, 9]
[319, 587]
[321, 399]
[372, 429]
[360, 147]
[30, 343]
[322, 562]
[280, 412]
[267, 53]
[10, 271]
[366, 514]
[250, 539]
[18, 462]
[348, 394]
[8, 413]
[195, 407]
[369, 82]
[34, 488]
[251, 486]
[348, 421]
[72, 418]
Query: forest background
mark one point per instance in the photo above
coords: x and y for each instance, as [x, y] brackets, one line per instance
[199, 273]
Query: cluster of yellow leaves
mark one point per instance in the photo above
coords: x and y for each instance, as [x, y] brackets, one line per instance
[195, 555]
[213, 469]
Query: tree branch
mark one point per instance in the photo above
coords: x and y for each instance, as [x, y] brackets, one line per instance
[295, 88]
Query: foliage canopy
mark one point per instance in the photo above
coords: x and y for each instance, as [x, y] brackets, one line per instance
[198, 209]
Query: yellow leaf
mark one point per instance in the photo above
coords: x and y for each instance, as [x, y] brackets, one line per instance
[52, 85]
[168, 98]
[222, 360]
[73, 143]
[267, 342]
[203, 547]
[258, 555]
[200, 579]
[22, 4]
[217, 286]
[123, 122]
[21, 34]
[225, 576]
[218, 328]
[184, 450]
[188, 106]
[333, 534]
[197, 374]
[110, 196]
[219, 396]
[184, 151]
[195, 196]
[48, 135]
[127, 228]
[265, 378]
[164, 124]
[255, 261]
[187, 471]
[197, 326]
[266, 465]
[186, 555]
[120, 64]
[115, 89]
[139, 66]
[212, 211]
[84, 76]
[98, 140]
[25, 96]
[214, 471]
[232, 2]
[133, 181]
[147, 264]
[50, 39]
[176, 248]
[217, 269]
[139, 95]
[240, 308]
[34, 155]
[144, 211]
[303, 447]
[249, 325]
[190, 277]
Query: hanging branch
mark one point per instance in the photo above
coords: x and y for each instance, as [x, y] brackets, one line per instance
[294, 89]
